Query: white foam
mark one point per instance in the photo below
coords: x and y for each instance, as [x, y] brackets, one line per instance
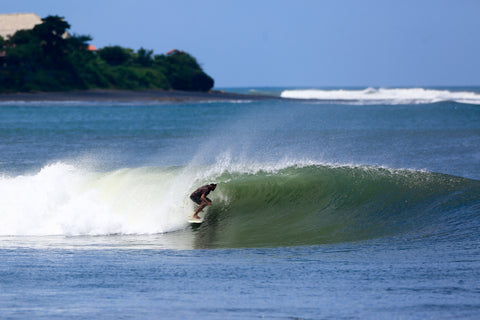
[385, 96]
[62, 199]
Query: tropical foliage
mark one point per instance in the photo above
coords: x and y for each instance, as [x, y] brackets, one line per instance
[47, 58]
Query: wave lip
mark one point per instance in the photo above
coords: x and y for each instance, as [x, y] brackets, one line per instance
[385, 95]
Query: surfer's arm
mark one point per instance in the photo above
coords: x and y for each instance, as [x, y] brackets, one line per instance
[204, 199]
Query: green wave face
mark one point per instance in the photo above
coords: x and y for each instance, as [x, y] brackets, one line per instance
[322, 204]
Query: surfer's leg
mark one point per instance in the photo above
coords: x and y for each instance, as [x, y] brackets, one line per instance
[200, 208]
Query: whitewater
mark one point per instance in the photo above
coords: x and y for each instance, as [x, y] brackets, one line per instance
[385, 95]
[331, 203]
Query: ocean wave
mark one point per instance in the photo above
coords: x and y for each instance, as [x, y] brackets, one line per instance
[385, 96]
[257, 205]
[320, 204]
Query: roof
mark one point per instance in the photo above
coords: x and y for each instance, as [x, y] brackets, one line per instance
[12, 22]
[174, 51]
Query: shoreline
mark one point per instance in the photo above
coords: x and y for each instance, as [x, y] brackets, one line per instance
[130, 96]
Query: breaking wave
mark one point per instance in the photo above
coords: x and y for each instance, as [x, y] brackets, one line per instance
[254, 206]
[385, 96]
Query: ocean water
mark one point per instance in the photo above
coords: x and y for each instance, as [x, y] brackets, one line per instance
[331, 204]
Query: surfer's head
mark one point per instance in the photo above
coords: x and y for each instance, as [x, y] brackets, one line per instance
[212, 186]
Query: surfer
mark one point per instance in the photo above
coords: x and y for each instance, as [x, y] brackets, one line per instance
[199, 196]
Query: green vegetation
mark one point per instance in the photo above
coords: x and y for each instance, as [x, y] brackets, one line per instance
[46, 58]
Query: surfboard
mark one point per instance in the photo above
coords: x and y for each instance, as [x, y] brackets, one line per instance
[192, 220]
[201, 214]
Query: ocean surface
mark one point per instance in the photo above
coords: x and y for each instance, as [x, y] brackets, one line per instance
[332, 203]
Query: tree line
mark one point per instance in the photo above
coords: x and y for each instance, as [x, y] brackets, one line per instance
[47, 58]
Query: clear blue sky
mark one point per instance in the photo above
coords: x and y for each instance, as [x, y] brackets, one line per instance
[306, 43]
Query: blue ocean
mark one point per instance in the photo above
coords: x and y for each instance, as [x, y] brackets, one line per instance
[332, 203]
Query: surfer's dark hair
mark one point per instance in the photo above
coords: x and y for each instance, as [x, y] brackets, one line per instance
[213, 184]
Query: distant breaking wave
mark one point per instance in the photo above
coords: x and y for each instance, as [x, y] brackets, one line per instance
[385, 96]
